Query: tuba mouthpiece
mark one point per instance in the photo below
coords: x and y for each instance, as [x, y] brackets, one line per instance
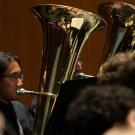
[24, 91]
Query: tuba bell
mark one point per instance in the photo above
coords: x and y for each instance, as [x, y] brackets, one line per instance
[65, 30]
[121, 27]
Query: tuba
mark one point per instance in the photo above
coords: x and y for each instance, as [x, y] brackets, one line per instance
[65, 30]
[121, 27]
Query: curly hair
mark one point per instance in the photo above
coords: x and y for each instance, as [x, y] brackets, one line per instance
[118, 69]
[97, 108]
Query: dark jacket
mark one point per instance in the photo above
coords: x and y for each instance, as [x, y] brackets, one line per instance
[14, 112]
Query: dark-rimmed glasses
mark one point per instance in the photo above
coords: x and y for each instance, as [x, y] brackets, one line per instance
[16, 75]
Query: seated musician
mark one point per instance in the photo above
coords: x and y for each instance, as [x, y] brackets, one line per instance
[118, 69]
[79, 74]
[99, 108]
[17, 119]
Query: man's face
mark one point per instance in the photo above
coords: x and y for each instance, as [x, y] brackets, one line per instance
[78, 68]
[10, 82]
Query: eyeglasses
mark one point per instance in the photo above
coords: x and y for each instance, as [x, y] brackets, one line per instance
[19, 75]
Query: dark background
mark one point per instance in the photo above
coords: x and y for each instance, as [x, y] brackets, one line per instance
[21, 33]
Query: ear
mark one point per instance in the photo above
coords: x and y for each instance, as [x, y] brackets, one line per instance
[131, 119]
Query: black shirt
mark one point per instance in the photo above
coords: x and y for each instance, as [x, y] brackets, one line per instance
[16, 111]
[10, 119]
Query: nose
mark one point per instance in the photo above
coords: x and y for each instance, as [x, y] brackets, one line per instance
[19, 82]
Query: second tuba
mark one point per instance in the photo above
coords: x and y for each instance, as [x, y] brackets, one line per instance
[120, 17]
[65, 30]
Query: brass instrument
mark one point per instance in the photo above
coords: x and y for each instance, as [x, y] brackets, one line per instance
[24, 91]
[65, 30]
[121, 27]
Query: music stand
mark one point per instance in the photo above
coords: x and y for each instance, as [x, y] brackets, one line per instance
[68, 91]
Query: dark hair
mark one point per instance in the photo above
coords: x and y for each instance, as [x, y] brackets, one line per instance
[97, 108]
[5, 59]
[119, 69]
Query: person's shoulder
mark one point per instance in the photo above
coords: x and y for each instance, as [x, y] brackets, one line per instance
[23, 116]
[17, 104]
[19, 107]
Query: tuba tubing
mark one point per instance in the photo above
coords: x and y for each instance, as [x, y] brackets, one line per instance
[30, 92]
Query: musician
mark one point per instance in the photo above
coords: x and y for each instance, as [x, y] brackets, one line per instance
[79, 74]
[99, 108]
[118, 69]
[17, 119]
